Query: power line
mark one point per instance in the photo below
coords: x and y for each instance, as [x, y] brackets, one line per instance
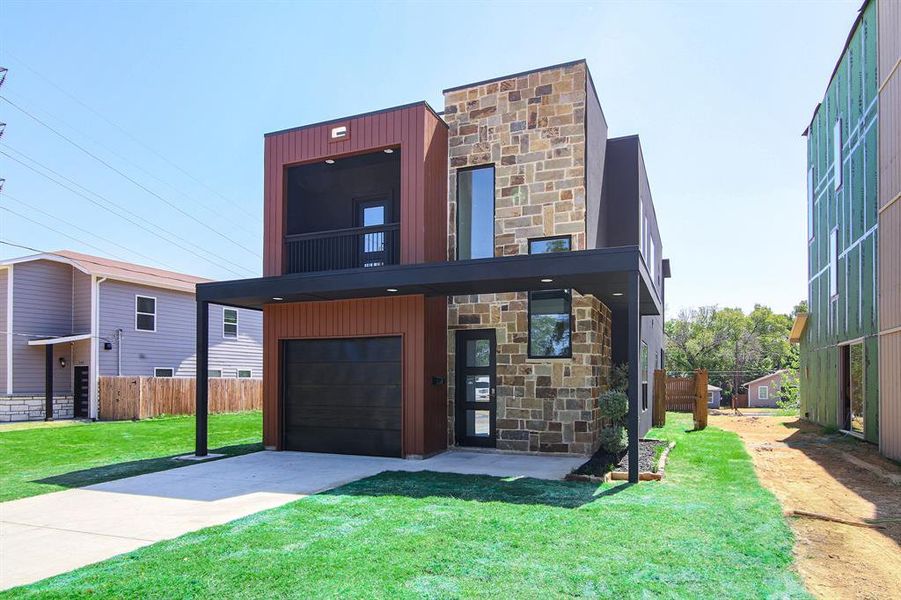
[129, 178]
[83, 259]
[83, 230]
[138, 224]
[133, 164]
[135, 139]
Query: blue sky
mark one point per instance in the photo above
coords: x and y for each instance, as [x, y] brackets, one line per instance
[175, 98]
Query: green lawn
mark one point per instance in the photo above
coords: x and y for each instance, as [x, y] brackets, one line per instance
[38, 460]
[709, 530]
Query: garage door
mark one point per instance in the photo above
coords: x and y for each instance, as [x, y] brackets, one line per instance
[343, 395]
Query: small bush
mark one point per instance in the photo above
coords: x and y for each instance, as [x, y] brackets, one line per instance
[614, 405]
[613, 439]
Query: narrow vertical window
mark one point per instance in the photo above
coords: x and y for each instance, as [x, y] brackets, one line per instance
[837, 154]
[229, 323]
[833, 262]
[145, 313]
[644, 376]
[550, 311]
[810, 207]
[475, 213]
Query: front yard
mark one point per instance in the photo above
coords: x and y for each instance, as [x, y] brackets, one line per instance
[708, 530]
[38, 459]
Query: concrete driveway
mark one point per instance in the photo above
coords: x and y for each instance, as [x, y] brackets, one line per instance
[55, 533]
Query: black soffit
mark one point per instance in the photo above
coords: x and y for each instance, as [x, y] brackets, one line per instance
[603, 273]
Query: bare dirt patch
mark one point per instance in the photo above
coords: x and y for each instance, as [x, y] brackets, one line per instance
[832, 475]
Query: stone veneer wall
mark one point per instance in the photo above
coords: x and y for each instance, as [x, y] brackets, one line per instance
[532, 129]
[31, 408]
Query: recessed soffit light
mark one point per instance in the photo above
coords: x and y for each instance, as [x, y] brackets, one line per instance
[329, 161]
[617, 293]
[277, 298]
[392, 290]
[389, 150]
[547, 280]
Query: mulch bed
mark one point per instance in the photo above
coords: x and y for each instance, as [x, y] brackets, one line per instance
[601, 461]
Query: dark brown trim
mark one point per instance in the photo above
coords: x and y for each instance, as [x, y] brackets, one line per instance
[520, 74]
[340, 120]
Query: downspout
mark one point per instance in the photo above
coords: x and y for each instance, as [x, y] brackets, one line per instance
[94, 365]
[119, 352]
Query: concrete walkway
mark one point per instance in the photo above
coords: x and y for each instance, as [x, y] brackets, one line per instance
[55, 533]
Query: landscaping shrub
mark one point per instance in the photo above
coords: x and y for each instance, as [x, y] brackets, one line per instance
[614, 405]
[613, 439]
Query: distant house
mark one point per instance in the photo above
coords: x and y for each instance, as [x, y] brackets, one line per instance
[77, 317]
[714, 396]
[764, 391]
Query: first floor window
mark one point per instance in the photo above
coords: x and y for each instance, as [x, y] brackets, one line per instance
[763, 392]
[550, 324]
[229, 322]
[644, 376]
[164, 372]
[214, 373]
[145, 313]
[244, 373]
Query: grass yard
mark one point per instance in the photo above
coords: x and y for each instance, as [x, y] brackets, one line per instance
[38, 460]
[708, 530]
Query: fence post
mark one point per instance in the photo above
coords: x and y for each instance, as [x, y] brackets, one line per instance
[700, 399]
[659, 414]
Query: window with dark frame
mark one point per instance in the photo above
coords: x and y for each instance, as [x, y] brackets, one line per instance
[229, 322]
[164, 372]
[550, 311]
[475, 212]
[644, 375]
[145, 313]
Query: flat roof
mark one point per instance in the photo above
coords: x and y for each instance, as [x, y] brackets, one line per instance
[603, 273]
[359, 115]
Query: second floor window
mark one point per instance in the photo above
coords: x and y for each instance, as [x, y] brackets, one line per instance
[550, 311]
[475, 213]
[229, 323]
[145, 313]
[833, 263]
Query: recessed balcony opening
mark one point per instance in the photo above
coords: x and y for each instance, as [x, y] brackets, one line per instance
[344, 214]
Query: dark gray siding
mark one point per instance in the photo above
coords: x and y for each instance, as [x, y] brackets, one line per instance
[42, 306]
[172, 345]
[595, 152]
[653, 259]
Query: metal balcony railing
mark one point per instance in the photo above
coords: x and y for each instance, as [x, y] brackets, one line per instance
[351, 248]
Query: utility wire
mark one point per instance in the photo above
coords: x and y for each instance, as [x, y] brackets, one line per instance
[129, 178]
[83, 230]
[135, 139]
[220, 214]
[138, 224]
[175, 276]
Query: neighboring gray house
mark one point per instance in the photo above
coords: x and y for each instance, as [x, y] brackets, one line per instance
[763, 392]
[714, 396]
[88, 316]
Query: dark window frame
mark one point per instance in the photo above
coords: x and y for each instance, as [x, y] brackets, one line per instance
[567, 298]
[226, 323]
[493, 168]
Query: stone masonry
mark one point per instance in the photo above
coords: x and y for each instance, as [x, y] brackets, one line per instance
[532, 129]
[31, 408]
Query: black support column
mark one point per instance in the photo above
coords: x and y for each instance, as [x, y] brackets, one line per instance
[48, 382]
[202, 377]
[634, 324]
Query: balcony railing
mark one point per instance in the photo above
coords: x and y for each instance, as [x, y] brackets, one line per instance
[352, 248]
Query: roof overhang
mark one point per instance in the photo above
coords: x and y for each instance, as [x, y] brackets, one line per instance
[59, 340]
[798, 328]
[603, 273]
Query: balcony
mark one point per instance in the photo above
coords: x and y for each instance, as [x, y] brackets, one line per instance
[352, 248]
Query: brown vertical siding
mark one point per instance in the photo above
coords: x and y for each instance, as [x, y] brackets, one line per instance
[889, 258]
[411, 317]
[422, 139]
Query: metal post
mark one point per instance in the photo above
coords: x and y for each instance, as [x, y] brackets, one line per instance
[202, 377]
[634, 324]
[48, 382]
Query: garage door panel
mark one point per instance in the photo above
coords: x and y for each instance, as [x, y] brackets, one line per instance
[376, 373]
[368, 442]
[343, 395]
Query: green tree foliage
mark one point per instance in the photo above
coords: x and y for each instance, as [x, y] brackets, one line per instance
[733, 346]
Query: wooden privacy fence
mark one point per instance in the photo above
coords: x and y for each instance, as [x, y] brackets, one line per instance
[680, 394]
[124, 398]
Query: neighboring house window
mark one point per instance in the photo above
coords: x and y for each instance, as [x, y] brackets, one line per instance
[810, 206]
[145, 313]
[550, 311]
[644, 376]
[763, 392]
[229, 322]
[837, 154]
[245, 373]
[214, 373]
[164, 372]
[475, 212]
[833, 263]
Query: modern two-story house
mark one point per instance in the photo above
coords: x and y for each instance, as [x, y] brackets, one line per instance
[851, 339]
[466, 278]
[69, 318]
